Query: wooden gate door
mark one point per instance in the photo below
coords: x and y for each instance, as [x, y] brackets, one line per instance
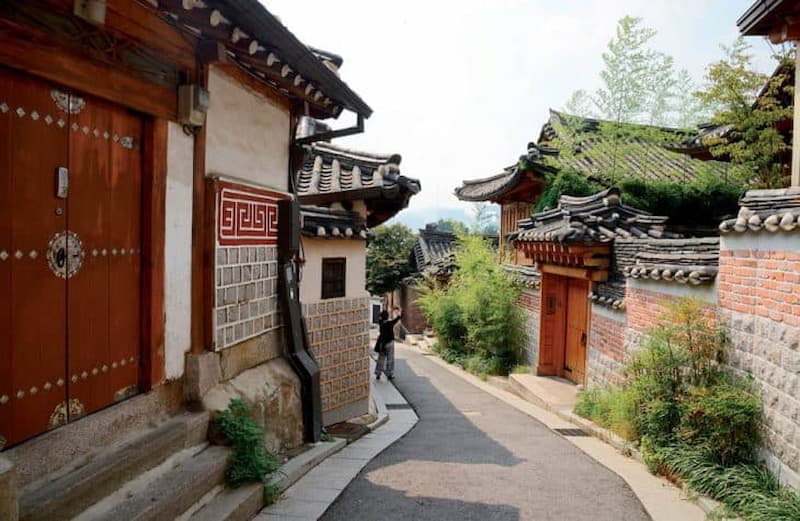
[70, 250]
[104, 297]
[577, 315]
[551, 325]
[34, 138]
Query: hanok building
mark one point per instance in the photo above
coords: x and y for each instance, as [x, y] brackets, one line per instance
[344, 193]
[147, 153]
[516, 189]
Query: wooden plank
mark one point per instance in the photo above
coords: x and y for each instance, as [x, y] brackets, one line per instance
[40, 56]
[154, 187]
[578, 273]
[141, 24]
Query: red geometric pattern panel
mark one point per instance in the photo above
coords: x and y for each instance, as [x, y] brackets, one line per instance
[247, 216]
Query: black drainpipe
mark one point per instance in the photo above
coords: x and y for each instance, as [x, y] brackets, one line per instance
[297, 348]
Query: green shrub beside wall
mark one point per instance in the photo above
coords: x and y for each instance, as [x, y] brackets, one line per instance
[474, 316]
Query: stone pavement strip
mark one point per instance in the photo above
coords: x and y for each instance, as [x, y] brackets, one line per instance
[308, 499]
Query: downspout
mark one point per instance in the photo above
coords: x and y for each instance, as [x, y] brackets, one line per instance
[296, 336]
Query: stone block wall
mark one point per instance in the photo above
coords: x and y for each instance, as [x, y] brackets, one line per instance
[530, 301]
[606, 340]
[338, 331]
[246, 303]
[759, 297]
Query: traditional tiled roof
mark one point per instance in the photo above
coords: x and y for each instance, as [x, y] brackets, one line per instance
[598, 218]
[494, 187]
[595, 156]
[433, 247]
[528, 276]
[771, 210]
[693, 261]
[257, 41]
[609, 294]
[331, 173]
[332, 224]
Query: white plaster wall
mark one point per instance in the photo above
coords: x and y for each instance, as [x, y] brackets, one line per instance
[178, 250]
[707, 292]
[762, 241]
[355, 251]
[247, 134]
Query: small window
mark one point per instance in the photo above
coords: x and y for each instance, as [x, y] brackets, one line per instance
[333, 278]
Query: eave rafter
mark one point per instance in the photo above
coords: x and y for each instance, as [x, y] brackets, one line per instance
[578, 260]
[201, 20]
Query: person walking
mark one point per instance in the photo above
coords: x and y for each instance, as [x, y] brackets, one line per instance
[385, 362]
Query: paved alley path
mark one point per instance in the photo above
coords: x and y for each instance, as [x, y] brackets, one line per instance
[473, 457]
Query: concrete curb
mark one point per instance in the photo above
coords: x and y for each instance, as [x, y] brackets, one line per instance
[309, 497]
[383, 412]
[299, 466]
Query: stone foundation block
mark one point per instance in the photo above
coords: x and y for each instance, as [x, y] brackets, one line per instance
[273, 390]
[203, 372]
[9, 506]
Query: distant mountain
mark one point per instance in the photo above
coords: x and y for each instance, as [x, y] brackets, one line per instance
[416, 218]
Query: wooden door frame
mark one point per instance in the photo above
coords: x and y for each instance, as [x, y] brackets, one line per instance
[154, 191]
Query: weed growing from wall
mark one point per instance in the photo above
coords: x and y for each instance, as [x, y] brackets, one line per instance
[250, 460]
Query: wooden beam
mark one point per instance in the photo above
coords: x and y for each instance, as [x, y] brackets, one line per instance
[796, 131]
[199, 237]
[154, 185]
[575, 273]
[41, 57]
[131, 20]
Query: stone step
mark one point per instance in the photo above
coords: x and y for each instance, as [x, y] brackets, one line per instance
[237, 504]
[71, 491]
[171, 493]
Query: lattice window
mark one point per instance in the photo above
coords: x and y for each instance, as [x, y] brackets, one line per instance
[333, 277]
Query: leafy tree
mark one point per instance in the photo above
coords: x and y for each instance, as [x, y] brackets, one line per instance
[751, 105]
[387, 257]
[639, 84]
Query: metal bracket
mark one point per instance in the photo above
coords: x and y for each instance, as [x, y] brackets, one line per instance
[324, 136]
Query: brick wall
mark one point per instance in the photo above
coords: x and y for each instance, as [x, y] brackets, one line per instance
[338, 331]
[529, 300]
[606, 342]
[760, 305]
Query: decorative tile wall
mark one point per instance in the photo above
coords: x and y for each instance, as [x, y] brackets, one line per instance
[246, 303]
[338, 331]
[246, 270]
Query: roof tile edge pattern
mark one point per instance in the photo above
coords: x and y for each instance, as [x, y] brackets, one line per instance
[776, 210]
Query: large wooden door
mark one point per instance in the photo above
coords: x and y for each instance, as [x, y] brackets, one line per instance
[70, 256]
[33, 381]
[575, 348]
[552, 324]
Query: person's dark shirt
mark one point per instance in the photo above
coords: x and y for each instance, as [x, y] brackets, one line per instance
[387, 330]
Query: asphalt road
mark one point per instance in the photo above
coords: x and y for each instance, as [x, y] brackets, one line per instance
[473, 457]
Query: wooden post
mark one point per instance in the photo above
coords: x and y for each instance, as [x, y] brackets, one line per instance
[796, 130]
[198, 308]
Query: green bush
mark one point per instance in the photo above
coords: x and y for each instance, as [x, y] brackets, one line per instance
[723, 420]
[613, 409]
[475, 313]
[750, 490]
[703, 202]
[250, 460]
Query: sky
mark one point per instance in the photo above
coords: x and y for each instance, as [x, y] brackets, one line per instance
[460, 88]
